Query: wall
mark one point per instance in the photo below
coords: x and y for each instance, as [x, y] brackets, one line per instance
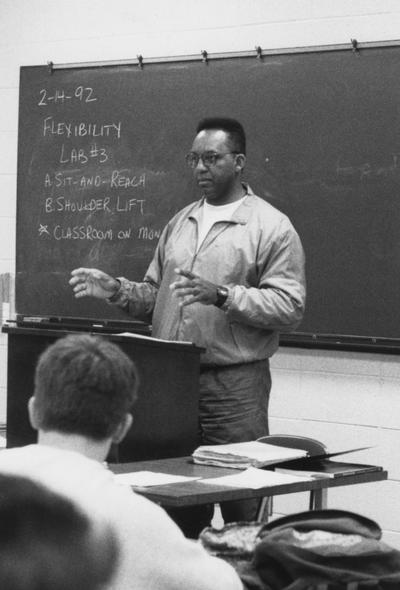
[346, 400]
[343, 399]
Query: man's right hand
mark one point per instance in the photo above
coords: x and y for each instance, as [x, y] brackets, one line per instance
[91, 282]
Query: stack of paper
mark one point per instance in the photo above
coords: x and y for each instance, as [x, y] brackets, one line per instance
[245, 454]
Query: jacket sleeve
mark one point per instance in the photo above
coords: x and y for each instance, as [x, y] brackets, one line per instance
[277, 302]
[138, 299]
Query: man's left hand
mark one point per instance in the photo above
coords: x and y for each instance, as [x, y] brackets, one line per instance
[191, 288]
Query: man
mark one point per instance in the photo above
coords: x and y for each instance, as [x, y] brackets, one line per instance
[228, 275]
[84, 390]
[46, 543]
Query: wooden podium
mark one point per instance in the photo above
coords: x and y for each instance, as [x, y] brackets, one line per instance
[165, 416]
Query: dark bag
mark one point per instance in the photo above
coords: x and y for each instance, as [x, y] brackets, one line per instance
[323, 550]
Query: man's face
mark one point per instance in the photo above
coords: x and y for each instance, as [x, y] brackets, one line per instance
[215, 180]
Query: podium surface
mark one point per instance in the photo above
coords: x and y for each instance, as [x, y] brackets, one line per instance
[165, 416]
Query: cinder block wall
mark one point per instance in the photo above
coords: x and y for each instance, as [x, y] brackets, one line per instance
[344, 399]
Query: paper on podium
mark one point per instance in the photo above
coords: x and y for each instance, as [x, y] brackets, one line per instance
[254, 479]
[151, 338]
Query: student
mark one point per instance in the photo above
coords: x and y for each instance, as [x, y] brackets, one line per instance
[85, 387]
[228, 275]
[46, 543]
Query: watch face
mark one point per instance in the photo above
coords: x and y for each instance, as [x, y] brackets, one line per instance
[222, 295]
[220, 292]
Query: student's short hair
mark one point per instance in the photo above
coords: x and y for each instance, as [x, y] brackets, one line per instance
[84, 385]
[47, 543]
[231, 126]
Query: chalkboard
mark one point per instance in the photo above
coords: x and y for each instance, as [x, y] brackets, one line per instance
[101, 170]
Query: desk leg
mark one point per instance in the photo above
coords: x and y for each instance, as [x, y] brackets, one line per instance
[264, 510]
[319, 499]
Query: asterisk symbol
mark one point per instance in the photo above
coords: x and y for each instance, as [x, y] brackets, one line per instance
[43, 229]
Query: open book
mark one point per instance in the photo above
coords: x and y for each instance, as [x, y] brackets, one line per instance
[325, 468]
[245, 454]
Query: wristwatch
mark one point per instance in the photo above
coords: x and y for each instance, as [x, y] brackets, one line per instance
[114, 297]
[222, 296]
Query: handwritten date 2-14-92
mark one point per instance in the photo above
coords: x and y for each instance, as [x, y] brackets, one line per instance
[60, 96]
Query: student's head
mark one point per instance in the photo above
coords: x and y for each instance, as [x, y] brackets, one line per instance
[46, 543]
[217, 157]
[84, 385]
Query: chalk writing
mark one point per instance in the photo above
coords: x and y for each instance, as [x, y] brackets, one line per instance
[129, 204]
[81, 129]
[62, 204]
[121, 180]
[81, 93]
[124, 234]
[77, 145]
[81, 155]
[118, 179]
[60, 180]
[43, 229]
[368, 171]
[84, 232]
[146, 233]
[81, 232]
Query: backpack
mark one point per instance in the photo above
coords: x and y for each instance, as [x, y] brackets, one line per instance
[322, 550]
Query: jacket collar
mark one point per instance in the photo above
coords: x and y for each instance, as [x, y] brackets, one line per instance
[241, 215]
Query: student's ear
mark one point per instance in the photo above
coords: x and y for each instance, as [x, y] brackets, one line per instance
[32, 413]
[122, 429]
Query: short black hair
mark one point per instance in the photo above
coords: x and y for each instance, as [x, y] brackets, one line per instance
[48, 543]
[84, 385]
[231, 126]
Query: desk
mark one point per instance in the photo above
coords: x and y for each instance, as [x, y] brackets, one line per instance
[192, 493]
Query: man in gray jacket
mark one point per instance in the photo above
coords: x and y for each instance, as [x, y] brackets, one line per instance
[228, 275]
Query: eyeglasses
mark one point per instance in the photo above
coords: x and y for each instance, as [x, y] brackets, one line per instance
[208, 158]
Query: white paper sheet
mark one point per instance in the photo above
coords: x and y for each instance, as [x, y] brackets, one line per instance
[254, 479]
[144, 337]
[150, 478]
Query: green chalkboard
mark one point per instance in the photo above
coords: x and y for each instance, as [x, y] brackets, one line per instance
[101, 170]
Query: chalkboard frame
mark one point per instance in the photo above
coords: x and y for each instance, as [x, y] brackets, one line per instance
[297, 339]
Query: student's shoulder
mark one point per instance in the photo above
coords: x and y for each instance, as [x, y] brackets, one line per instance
[19, 457]
[140, 511]
[62, 471]
[154, 540]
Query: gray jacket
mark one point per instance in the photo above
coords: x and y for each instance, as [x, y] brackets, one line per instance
[257, 254]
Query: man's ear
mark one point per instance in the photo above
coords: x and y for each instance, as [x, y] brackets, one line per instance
[240, 162]
[32, 413]
[122, 429]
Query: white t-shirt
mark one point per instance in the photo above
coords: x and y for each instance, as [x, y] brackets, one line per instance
[154, 554]
[211, 214]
